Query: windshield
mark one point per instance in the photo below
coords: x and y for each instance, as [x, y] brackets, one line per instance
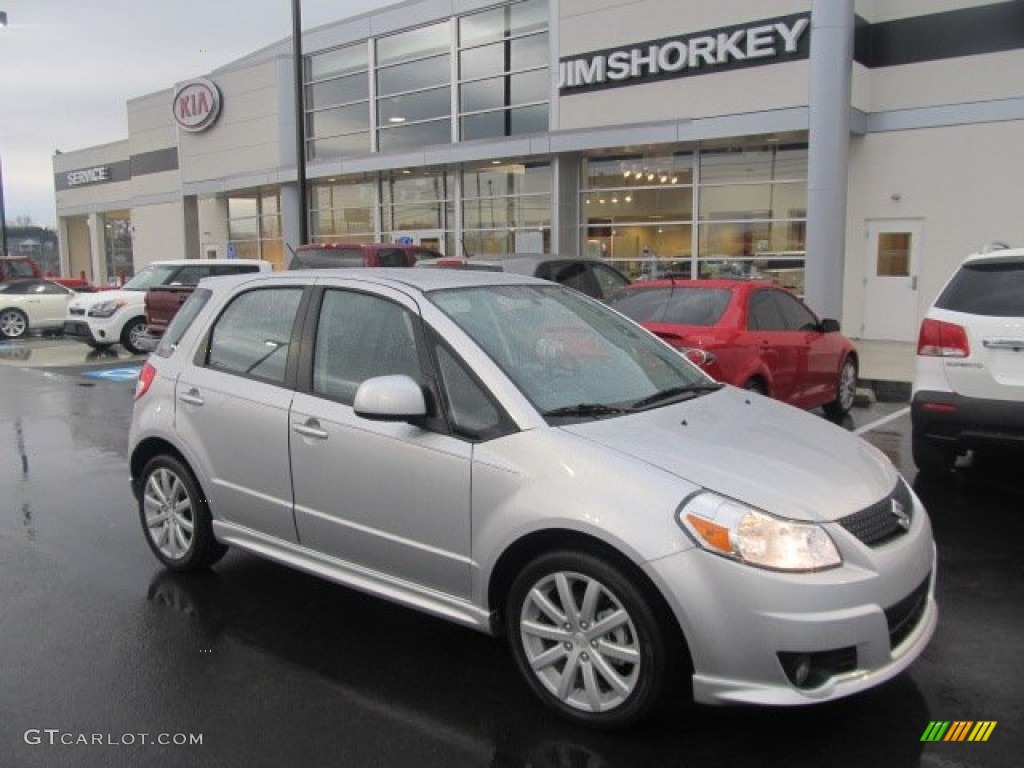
[150, 276]
[569, 355]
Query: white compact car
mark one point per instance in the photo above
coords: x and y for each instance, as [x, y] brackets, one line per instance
[32, 305]
[119, 317]
[969, 383]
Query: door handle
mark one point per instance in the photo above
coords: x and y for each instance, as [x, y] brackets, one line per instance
[191, 397]
[311, 429]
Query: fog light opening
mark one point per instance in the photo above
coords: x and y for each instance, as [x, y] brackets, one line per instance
[811, 670]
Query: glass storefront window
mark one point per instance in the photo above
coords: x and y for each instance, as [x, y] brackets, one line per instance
[117, 239]
[496, 92]
[340, 91]
[754, 201]
[415, 135]
[638, 171]
[410, 107]
[343, 210]
[340, 146]
[499, 23]
[750, 164]
[414, 75]
[337, 62]
[254, 226]
[415, 43]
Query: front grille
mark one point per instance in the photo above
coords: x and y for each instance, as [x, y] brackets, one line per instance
[883, 521]
[904, 616]
[76, 311]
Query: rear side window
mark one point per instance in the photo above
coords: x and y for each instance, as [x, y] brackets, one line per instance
[231, 269]
[994, 290]
[252, 335]
[392, 257]
[182, 322]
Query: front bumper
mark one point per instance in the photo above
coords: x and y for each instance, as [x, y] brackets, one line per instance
[876, 612]
[966, 422]
[79, 330]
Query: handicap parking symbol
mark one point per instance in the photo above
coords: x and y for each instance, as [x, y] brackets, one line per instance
[116, 374]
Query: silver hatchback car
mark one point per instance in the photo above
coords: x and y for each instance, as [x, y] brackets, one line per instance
[511, 455]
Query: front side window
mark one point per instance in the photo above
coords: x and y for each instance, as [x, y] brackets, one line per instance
[796, 315]
[358, 337]
[766, 312]
[471, 411]
[252, 336]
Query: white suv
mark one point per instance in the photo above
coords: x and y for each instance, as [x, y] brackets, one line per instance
[969, 383]
[119, 317]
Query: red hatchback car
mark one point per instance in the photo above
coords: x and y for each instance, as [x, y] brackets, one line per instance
[752, 335]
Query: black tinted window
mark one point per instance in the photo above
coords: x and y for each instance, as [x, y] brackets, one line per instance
[472, 413]
[608, 280]
[996, 290]
[392, 257]
[230, 269]
[766, 312]
[252, 335]
[359, 337]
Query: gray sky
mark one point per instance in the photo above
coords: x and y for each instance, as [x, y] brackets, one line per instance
[67, 67]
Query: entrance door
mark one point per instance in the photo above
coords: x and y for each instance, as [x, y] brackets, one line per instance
[428, 238]
[890, 282]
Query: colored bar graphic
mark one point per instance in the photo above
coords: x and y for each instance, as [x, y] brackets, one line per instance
[958, 730]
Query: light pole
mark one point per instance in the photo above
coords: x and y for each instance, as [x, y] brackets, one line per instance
[300, 122]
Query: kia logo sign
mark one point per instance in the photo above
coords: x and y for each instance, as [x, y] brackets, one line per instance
[196, 105]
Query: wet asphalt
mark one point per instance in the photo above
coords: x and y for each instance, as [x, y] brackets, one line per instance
[103, 654]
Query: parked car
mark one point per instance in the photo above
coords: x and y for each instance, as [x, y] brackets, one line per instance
[32, 304]
[333, 255]
[968, 390]
[590, 276]
[752, 335]
[511, 455]
[22, 267]
[119, 317]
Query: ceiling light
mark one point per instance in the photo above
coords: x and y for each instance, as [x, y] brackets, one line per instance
[615, 199]
[664, 179]
[675, 179]
[396, 119]
[650, 177]
[627, 174]
[601, 201]
[629, 198]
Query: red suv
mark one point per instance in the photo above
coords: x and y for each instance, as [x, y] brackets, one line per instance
[332, 255]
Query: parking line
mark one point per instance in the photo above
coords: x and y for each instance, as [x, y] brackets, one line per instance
[876, 424]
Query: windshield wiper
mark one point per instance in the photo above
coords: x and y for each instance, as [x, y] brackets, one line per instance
[676, 394]
[584, 410]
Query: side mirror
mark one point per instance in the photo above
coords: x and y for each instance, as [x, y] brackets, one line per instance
[390, 398]
[828, 325]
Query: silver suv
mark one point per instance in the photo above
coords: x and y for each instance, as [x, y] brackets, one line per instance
[969, 381]
[511, 455]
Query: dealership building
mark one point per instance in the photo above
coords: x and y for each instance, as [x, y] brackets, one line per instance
[853, 150]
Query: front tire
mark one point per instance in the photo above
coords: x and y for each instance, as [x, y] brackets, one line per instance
[132, 333]
[587, 640]
[13, 324]
[846, 391]
[176, 517]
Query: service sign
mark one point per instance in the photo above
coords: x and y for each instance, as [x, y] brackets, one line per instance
[196, 105]
[97, 175]
[767, 41]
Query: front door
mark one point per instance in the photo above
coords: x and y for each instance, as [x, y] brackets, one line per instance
[890, 282]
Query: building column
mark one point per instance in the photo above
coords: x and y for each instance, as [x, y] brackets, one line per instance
[565, 204]
[290, 213]
[832, 25]
[97, 249]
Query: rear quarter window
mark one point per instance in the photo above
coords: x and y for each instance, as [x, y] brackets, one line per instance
[993, 290]
[182, 322]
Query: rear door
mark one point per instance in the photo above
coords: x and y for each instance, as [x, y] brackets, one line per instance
[783, 351]
[987, 299]
[233, 404]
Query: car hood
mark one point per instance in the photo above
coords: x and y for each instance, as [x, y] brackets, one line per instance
[92, 299]
[759, 451]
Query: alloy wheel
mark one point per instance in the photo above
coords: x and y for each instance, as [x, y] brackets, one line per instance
[13, 324]
[170, 517]
[580, 642]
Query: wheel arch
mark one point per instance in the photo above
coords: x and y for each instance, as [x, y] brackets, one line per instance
[147, 449]
[515, 557]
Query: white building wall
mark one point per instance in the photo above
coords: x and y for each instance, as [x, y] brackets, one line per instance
[962, 182]
[159, 233]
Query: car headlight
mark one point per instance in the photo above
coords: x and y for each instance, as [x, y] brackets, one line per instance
[106, 308]
[734, 530]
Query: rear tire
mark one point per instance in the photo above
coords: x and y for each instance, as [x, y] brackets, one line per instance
[176, 517]
[930, 458]
[846, 391]
[13, 324]
[587, 640]
[756, 386]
